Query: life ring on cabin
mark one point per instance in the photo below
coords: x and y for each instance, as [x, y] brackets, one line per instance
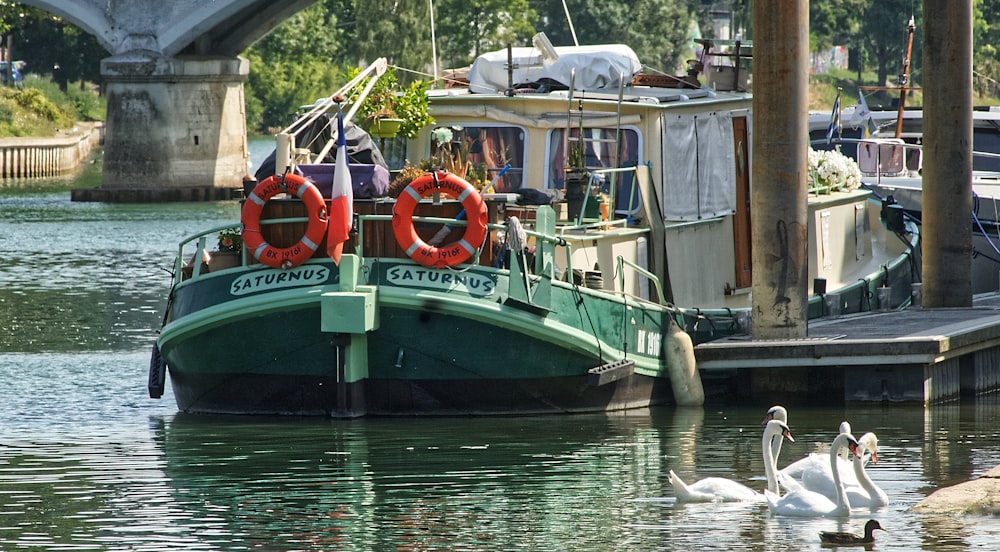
[449, 254]
[284, 257]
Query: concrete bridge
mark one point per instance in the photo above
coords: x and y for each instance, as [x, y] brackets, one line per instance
[175, 115]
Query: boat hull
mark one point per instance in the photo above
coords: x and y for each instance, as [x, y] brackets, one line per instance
[434, 351]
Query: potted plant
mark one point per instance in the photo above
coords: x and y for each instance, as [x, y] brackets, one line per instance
[230, 239]
[390, 109]
[230, 245]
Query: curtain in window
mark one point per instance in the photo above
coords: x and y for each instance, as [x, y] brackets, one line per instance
[699, 170]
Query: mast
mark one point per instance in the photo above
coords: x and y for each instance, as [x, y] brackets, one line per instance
[905, 78]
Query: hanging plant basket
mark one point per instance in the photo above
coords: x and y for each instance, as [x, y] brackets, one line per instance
[384, 128]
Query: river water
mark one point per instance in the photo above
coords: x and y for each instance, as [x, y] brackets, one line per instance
[89, 462]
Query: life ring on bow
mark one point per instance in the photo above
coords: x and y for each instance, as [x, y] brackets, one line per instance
[446, 255]
[284, 257]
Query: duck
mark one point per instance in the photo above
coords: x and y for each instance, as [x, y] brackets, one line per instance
[806, 503]
[848, 539]
[721, 489]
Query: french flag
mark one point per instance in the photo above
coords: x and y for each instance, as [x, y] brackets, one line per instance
[342, 198]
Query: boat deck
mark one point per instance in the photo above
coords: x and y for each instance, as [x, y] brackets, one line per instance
[916, 354]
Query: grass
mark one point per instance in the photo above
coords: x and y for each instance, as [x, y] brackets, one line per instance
[39, 108]
[823, 92]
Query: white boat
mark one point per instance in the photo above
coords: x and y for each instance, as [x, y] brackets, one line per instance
[577, 297]
[891, 161]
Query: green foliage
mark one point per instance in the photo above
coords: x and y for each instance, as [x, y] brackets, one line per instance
[275, 95]
[388, 99]
[34, 101]
[397, 31]
[485, 25]
[884, 33]
[87, 105]
[835, 23]
[29, 111]
[46, 42]
[7, 109]
[292, 67]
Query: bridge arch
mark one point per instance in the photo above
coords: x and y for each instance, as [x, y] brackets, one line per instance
[175, 27]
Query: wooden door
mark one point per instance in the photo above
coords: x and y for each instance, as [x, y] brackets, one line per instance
[741, 220]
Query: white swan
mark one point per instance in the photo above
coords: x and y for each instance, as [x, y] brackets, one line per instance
[876, 497]
[776, 412]
[780, 413]
[806, 503]
[819, 462]
[862, 492]
[721, 489]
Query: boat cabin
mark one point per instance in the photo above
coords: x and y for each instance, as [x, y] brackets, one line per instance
[648, 176]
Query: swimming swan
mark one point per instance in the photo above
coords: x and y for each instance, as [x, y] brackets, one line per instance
[806, 503]
[721, 489]
[862, 492]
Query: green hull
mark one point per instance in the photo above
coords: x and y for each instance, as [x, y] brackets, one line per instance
[445, 343]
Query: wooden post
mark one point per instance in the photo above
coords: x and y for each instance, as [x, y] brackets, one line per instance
[946, 200]
[780, 257]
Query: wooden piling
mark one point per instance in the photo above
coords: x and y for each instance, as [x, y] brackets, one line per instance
[947, 162]
[780, 256]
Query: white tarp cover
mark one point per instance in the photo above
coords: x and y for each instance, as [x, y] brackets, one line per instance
[699, 169]
[597, 67]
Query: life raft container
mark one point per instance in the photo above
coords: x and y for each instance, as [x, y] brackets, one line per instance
[284, 257]
[446, 255]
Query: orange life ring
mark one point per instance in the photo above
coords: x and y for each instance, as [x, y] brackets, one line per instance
[446, 255]
[284, 257]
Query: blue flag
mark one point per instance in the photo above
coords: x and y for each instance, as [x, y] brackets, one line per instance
[835, 126]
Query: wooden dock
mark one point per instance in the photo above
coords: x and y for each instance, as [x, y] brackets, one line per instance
[916, 354]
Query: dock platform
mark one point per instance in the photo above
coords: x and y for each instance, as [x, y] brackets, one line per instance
[915, 354]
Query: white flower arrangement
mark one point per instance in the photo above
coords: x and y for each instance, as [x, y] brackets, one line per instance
[833, 171]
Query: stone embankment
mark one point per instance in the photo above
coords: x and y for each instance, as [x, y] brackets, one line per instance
[48, 156]
[979, 496]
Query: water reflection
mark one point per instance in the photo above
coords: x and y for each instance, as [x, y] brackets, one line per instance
[529, 483]
[95, 466]
[87, 461]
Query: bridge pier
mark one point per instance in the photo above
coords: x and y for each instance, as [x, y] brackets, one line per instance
[176, 128]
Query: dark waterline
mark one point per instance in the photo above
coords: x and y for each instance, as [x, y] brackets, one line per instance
[89, 462]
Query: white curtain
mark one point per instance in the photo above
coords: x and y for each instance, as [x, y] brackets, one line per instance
[699, 167]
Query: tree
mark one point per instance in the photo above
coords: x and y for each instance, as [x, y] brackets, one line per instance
[467, 28]
[45, 41]
[50, 45]
[293, 66]
[986, 33]
[836, 22]
[396, 30]
[885, 36]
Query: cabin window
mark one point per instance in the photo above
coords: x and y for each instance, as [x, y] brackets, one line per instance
[393, 151]
[492, 146]
[601, 151]
[699, 166]
[985, 140]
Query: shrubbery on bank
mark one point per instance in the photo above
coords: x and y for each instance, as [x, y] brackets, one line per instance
[39, 108]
